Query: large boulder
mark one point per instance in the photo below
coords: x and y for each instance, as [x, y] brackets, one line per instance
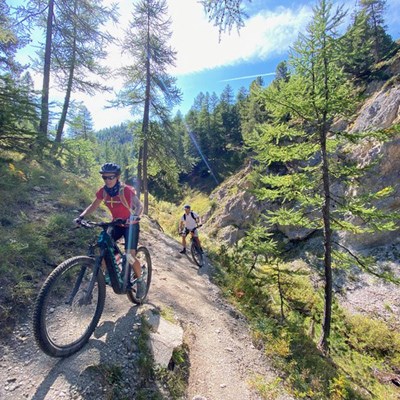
[164, 338]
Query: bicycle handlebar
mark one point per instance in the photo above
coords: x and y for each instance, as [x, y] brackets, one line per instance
[91, 224]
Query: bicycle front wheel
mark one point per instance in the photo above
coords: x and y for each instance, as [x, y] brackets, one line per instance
[143, 256]
[196, 254]
[68, 307]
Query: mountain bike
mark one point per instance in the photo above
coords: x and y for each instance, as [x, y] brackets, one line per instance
[71, 300]
[195, 249]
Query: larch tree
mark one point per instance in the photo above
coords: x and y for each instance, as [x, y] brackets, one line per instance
[149, 88]
[41, 13]
[74, 46]
[225, 14]
[78, 47]
[316, 157]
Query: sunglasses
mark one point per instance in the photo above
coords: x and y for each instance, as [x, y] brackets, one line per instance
[110, 178]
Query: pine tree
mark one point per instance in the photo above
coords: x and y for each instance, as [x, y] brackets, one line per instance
[18, 117]
[80, 123]
[366, 41]
[252, 111]
[381, 42]
[148, 86]
[359, 57]
[281, 73]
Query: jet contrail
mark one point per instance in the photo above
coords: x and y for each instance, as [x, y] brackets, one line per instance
[247, 77]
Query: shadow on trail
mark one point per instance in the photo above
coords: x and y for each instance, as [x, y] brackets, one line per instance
[107, 366]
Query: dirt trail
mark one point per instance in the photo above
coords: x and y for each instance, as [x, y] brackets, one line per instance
[222, 357]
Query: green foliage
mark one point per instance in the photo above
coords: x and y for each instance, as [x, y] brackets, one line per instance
[176, 377]
[78, 155]
[373, 337]
[18, 116]
[214, 127]
[80, 123]
[268, 390]
[145, 361]
[360, 347]
[111, 377]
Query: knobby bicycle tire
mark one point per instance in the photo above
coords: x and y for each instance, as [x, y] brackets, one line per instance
[197, 255]
[143, 256]
[64, 317]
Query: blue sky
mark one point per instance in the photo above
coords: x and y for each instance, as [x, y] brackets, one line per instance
[207, 64]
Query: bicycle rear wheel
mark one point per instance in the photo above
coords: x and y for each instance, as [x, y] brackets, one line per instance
[196, 254]
[65, 313]
[143, 256]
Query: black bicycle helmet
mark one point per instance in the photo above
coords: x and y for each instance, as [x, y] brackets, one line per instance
[110, 168]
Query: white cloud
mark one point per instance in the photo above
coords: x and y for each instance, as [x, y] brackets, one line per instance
[197, 41]
[198, 47]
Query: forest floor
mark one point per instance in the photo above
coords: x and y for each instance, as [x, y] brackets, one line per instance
[222, 357]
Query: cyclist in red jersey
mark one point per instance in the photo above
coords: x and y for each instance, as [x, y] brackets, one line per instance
[123, 203]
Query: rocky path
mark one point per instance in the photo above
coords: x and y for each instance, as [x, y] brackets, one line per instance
[222, 357]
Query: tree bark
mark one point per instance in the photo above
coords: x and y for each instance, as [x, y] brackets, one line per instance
[63, 118]
[139, 172]
[145, 126]
[326, 324]
[44, 118]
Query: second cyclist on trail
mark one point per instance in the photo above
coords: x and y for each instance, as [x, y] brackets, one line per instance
[188, 224]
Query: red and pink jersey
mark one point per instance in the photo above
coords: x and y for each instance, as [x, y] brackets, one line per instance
[115, 205]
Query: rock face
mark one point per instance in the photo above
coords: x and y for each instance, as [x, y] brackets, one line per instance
[381, 110]
[237, 208]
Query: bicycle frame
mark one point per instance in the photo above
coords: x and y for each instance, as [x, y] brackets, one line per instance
[193, 239]
[107, 253]
[108, 248]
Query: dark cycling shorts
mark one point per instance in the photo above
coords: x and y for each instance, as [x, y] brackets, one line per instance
[187, 231]
[130, 233]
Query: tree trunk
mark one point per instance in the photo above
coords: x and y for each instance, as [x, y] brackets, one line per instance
[145, 126]
[139, 172]
[326, 324]
[326, 217]
[44, 117]
[281, 296]
[67, 98]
